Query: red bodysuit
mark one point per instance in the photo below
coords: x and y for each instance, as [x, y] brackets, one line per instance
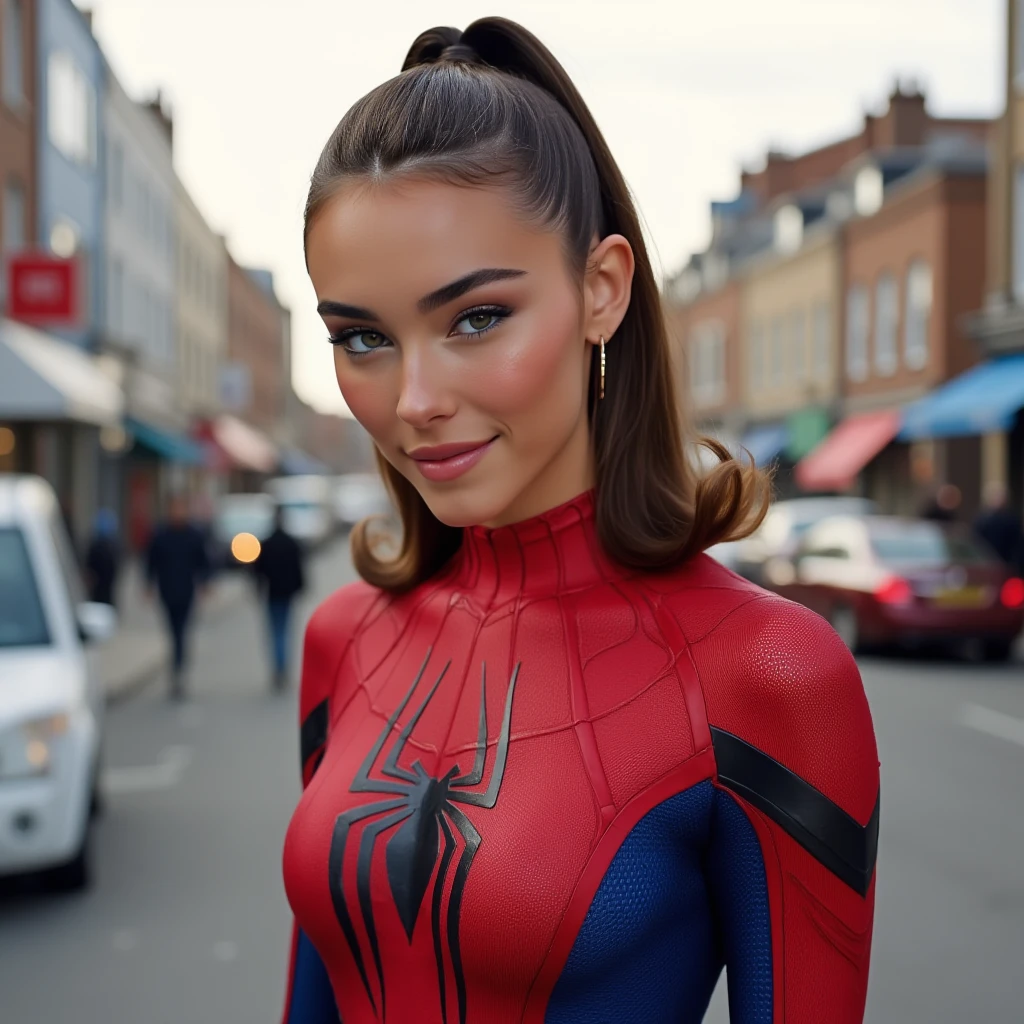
[540, 788]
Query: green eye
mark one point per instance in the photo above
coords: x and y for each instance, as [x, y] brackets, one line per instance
[480, 321]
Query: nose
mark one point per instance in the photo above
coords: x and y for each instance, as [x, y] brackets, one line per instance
[424, 397]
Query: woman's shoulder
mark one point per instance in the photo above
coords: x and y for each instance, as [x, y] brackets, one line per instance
[341, 613]
[776, 676]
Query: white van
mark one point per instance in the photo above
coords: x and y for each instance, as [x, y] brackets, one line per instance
[306, 505]
[51, 700]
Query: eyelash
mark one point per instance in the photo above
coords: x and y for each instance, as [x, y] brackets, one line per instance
[500, 313]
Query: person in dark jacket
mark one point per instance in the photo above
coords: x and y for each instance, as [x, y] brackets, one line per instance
[1000, 527]
[944, 504]
[280, 576]
[178, 568]
[103, 559]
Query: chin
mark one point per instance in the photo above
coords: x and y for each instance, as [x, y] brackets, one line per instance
[466, 505]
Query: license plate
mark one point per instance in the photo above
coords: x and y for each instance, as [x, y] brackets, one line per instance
[962, 597]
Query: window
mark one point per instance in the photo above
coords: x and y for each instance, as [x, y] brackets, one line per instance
[886, 316]
[778, 353]
[857, 333]
[868, 191]
[822, 341]
[71, 110]
[707, 363]
[919, 311]
[789, 228]
[22, 621]
[798, 342]
[13, 57]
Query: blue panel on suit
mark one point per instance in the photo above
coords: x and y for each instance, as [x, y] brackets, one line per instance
[685, 891]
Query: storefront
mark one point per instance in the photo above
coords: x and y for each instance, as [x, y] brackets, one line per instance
[55, 400]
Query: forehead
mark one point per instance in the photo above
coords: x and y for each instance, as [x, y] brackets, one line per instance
[418, 235]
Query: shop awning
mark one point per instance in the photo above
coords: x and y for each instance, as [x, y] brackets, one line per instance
[165, 443]
[981, 401]
[835, 463]
[44, 378]
[245, 446]
[295, 462]
[765, 443]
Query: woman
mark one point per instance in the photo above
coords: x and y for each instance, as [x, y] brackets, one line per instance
[558, 764]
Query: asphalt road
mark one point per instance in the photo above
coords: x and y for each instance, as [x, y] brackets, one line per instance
[188, 924]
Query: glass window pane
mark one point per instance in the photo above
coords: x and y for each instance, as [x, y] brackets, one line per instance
[22, 622]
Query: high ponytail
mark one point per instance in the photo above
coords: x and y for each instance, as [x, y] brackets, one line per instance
[492, 106]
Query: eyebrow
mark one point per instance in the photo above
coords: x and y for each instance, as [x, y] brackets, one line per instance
[449, 292]
[434, 300]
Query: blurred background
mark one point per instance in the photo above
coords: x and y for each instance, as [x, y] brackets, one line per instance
[834, 197]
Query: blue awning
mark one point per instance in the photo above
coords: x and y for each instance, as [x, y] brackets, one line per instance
[165, 443]
[295, 462]
[766, 443]
[981, 401]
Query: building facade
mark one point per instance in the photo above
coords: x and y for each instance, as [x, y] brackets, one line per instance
[18, 118]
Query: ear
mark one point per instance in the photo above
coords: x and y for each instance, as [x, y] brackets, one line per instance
[607, 286]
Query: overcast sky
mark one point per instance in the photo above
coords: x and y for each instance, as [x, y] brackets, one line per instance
[686, 91]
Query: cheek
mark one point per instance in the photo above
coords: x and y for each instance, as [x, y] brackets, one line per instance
[538, 367]
[369, 396]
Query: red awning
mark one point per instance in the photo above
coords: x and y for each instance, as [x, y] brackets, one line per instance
[236, 444]
[835, 463]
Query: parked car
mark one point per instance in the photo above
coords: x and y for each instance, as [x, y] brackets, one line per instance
[885, 580]
[238, 521]
[358, 495]
[307, 505]
[51, 700]
[784, 525]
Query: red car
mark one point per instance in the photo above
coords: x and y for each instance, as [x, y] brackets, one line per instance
[884, 580]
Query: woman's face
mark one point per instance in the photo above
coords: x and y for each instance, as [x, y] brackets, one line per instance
[463, 341]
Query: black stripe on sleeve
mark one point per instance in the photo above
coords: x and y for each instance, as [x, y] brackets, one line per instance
[820, 826]
[313, 735]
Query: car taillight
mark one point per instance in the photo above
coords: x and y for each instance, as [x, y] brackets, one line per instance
[1012, 594]
[894, 590]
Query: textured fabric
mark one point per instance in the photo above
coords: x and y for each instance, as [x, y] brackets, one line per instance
[739, 891]
[647, 951]
[310, 1000]
[498, 736]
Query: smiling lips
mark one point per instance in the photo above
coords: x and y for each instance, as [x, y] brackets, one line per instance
[448, 461]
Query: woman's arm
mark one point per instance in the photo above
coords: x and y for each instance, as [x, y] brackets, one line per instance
[310, 998]
[795, 826]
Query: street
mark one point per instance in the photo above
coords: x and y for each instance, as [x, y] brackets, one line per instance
[188, 923]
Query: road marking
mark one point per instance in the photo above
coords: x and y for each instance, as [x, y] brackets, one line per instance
[146, 778]
[994, 723]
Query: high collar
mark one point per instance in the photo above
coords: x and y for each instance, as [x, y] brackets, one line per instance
[550, 553]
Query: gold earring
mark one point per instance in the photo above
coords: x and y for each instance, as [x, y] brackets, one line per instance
[601, 393]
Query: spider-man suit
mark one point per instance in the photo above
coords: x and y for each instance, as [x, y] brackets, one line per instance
[539, 788]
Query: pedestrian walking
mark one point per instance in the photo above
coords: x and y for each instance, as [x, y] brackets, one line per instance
[103, 559]
[177, 567]
[1000, 527]
[281, 578]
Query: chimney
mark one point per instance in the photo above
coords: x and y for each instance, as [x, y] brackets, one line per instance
[87, 14]
[163, 114]
[905, 122]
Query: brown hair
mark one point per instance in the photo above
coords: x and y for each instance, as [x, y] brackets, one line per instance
[491, 105]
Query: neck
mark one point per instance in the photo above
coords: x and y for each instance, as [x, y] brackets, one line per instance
[553, 552]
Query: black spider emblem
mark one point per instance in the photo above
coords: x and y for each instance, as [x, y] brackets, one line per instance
[425, 809]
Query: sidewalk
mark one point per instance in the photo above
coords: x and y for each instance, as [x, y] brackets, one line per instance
[139, 651]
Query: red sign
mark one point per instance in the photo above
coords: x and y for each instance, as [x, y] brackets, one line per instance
[44, 290]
